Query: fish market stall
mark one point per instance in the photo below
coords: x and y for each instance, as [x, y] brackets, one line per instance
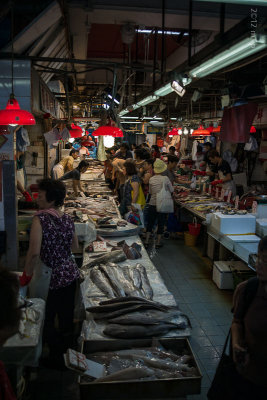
[140, 282]
[144, 369]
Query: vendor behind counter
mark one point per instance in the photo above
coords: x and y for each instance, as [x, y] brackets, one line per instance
[65, 165]
[221, 172]
[75, 175]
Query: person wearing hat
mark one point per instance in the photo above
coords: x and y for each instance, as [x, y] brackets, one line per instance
[155, 185]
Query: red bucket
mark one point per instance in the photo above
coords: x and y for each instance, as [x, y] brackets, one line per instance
[194, 228]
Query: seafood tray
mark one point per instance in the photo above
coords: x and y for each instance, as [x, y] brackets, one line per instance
[169, 388]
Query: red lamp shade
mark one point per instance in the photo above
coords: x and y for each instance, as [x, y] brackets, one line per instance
[108, 130]
[201, 132]
[173, 132]
[217, 130]
[75, 131]
[13, 115]
[253, 129]
[210, 128]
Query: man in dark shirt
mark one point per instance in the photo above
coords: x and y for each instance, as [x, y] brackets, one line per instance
[124, 152]
[172, 164]
[221, 170]
[75, 175]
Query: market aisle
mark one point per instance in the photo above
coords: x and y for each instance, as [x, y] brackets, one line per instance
[189, 278]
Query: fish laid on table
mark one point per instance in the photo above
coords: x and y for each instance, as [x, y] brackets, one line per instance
[133, 274]
[127, 374]
[147, 289]
[112, 278]
[101, 282]
[126, 304]
[129, 298]
[112, 256]
[109, 315]
[126, 281]
[140, 331]
[149, 317]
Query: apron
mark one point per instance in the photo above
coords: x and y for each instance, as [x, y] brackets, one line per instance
[227, 186]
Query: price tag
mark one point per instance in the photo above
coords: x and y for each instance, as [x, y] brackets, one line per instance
[229, 196]
[236, 202]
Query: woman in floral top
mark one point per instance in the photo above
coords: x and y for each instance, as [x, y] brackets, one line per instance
[52, 239]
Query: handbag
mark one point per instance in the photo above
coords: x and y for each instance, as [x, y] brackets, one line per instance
[141, 197]
[164, 201]
[226, 377]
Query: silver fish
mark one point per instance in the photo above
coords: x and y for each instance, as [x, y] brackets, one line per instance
[149, 317]
[135, 275]
[112, 278]
[126, 283]
[127, 374]
[138, 331]
[145, 282]
[116, 256]
[109, 315]
[125, 304]
[101, 282]
[122, 299]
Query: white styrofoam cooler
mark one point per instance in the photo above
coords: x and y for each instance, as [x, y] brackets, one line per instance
[261, 226]
[222, 272]
[233, 224]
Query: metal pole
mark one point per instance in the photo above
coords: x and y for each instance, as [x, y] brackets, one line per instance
[190, 31]
[155, 56]
[163, 41]
[222, 18]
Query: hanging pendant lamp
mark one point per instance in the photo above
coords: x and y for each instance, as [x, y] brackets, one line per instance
[201, 131]
[217, 130]
[76, 131]
[12, 115]
[107, 130]
[252, 129]
[173, 132]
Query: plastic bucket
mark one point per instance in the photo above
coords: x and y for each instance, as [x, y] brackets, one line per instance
[190, 240]
[194, 229]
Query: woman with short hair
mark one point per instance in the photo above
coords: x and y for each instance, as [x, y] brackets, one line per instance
[130, 189]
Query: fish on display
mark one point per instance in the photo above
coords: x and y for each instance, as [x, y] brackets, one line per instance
[114, 256]
[140, 331]
[125, 281]
[126, 304]
[127, 374]
[122, 299]
[133, 308]
[149, 317]
[101, 282]
[112, 278]
[147, 289]
[135, 275]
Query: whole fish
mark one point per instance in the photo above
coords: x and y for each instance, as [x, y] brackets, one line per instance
[116, 256]
[125, 304]
[127, 285]
[135, 275]
[112, 278]
[101, 282]
[150, 317]
[122, 299]
[145, 282]
[138, 331]
[109, 315]
[127, 374]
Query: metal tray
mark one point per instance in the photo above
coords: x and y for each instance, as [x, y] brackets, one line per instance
[154, 389]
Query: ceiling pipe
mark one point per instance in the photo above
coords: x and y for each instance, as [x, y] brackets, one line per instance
[190, 23]
[163, 41]
[222, 18]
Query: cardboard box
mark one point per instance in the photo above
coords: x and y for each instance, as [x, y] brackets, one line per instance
[222, 272]
[233, 224]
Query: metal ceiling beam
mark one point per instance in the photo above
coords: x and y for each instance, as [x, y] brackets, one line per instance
[8, 56]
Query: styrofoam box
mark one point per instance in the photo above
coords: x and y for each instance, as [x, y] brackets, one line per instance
[261, 226]
[222, 274]
[233, 224]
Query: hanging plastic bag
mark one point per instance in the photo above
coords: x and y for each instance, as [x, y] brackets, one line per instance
[164, 201]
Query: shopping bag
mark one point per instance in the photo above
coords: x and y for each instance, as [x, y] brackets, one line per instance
[141, 197]
[40, 282]
[164, 201]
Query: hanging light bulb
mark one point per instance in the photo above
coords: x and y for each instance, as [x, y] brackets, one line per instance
[180, 131]
[191, 131]
[185, 131]
[71, 140]
[109, 141]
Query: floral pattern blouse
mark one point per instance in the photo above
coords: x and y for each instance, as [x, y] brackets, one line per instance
[56, 249]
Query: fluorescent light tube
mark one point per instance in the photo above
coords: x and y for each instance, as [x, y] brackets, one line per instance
[147, 100]
[123, 112]
[164, 90]
[237, 52]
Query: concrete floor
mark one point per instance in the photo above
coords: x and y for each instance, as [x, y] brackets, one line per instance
[188, 277]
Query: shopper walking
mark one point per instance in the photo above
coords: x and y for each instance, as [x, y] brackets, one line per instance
[52, 239]
[155, 185]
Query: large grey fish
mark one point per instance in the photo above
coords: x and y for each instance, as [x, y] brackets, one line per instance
[127, 374]
[127, 285]
[112, 278]
[145, 282]
[149, 317]
[135, 275]
[122, 299]
[116, 256]
[101, 282]
[109, 315]
[125, 304]
[139, 331]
